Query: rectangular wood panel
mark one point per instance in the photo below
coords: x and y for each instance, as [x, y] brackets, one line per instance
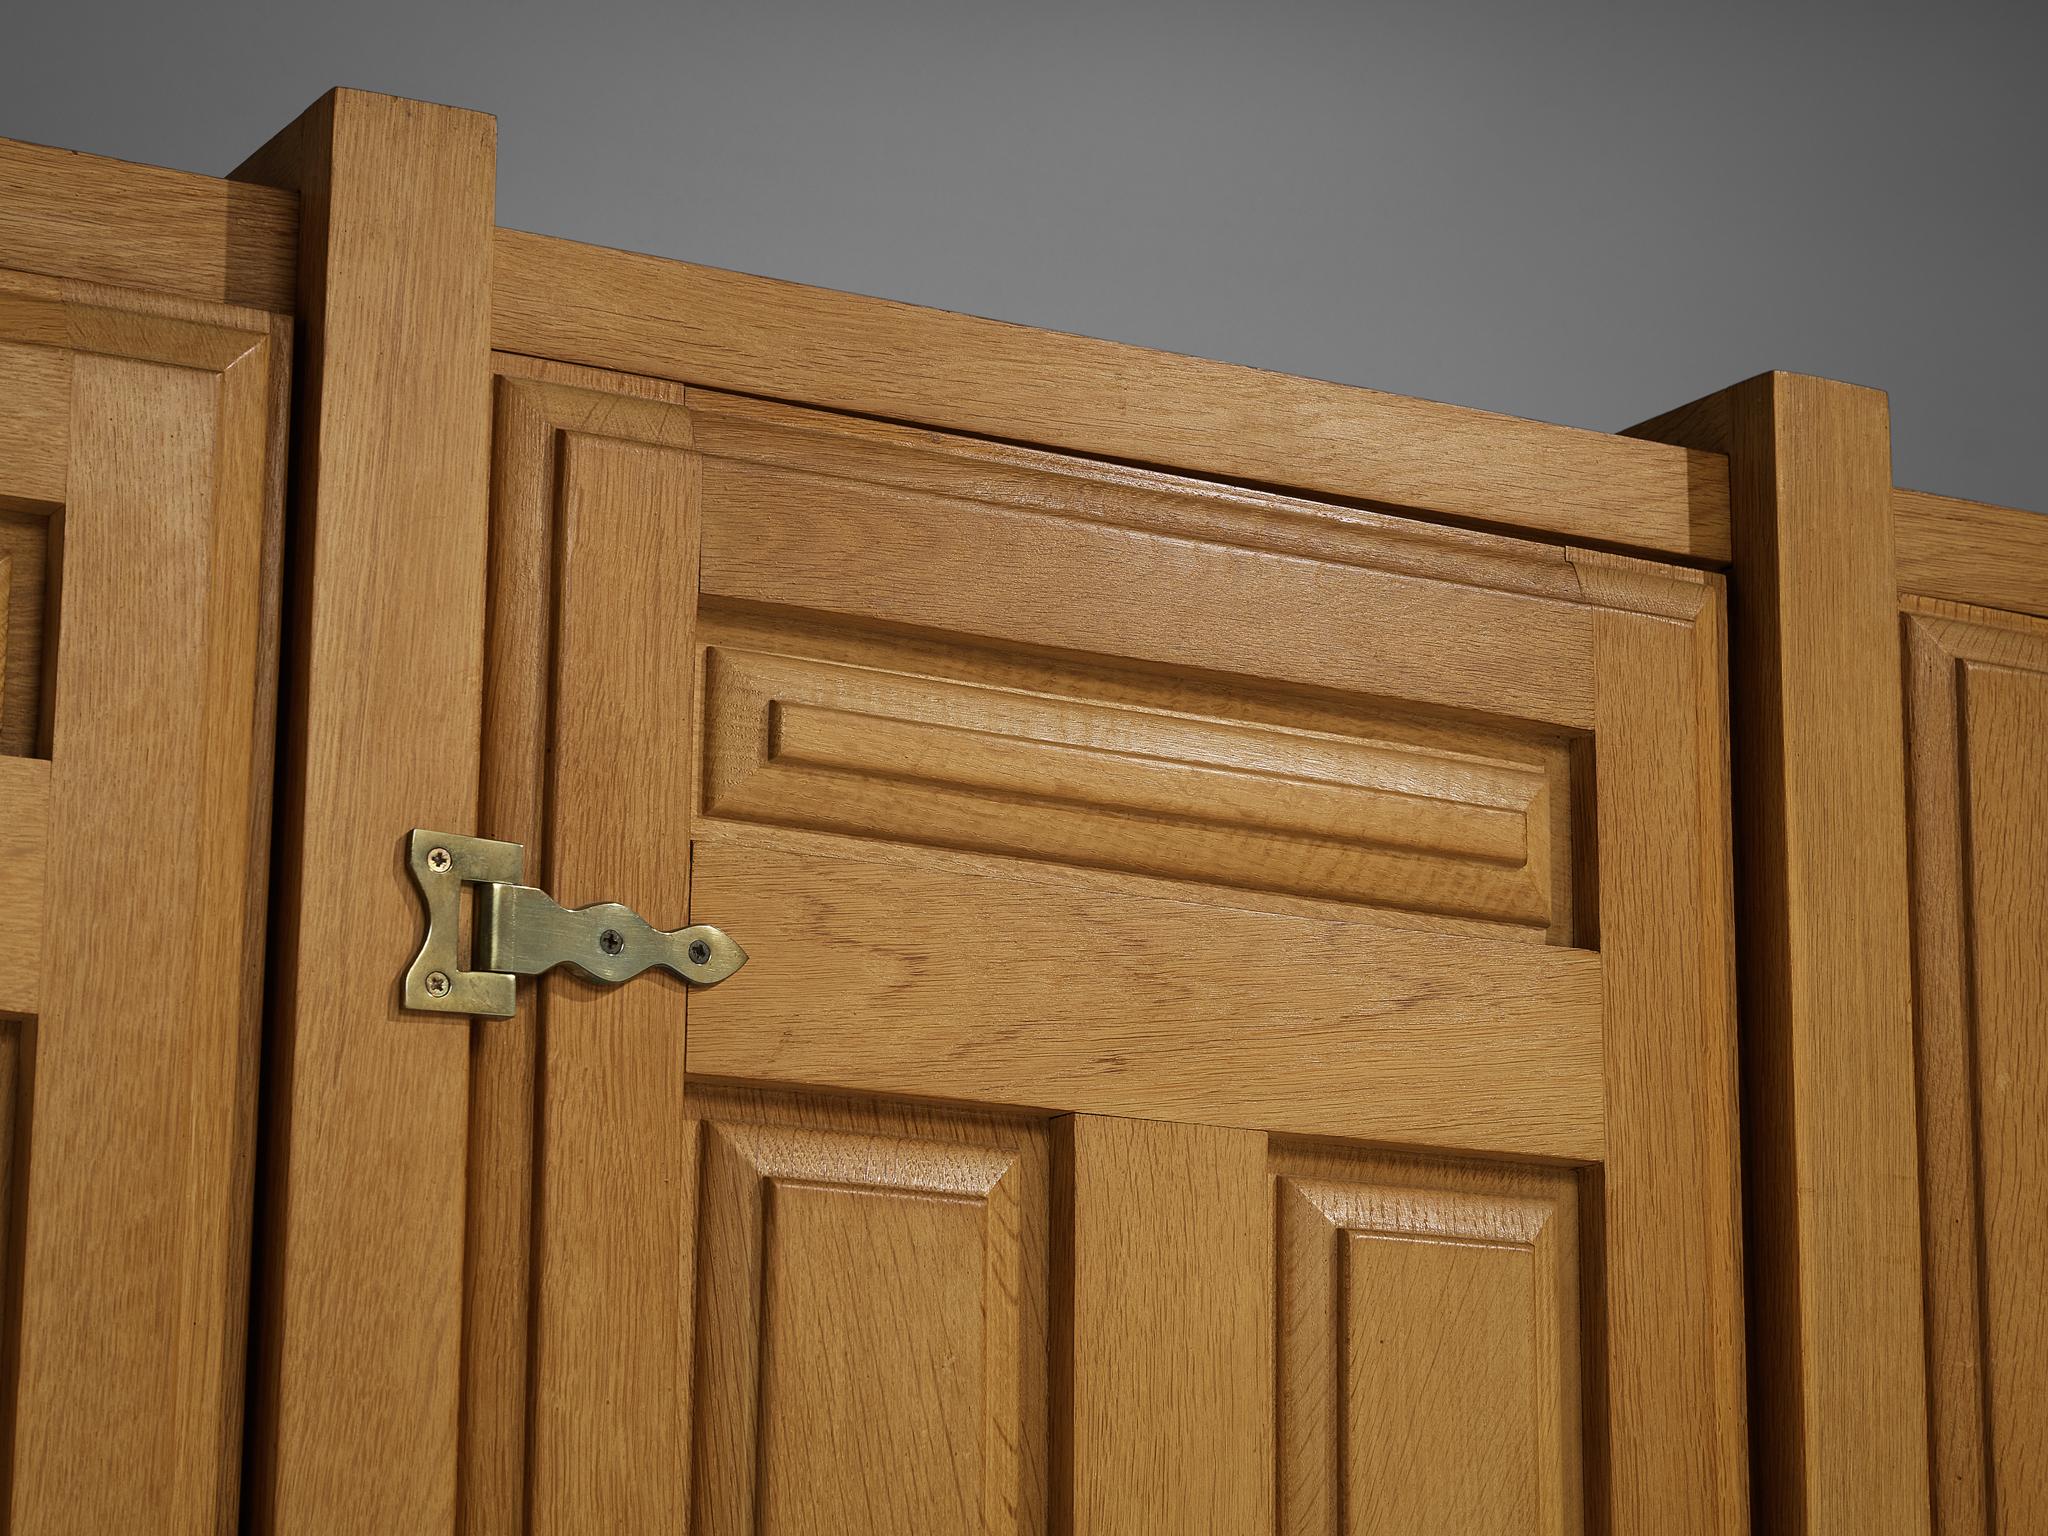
[875, 973]
[1429, 1346]
[871, 1318]
[2005, 713]
[1044, 774]
[1977, 701]
[136, 1139]
[613, 1278]
[1165, 1318]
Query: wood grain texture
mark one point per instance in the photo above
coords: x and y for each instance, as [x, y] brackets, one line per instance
[132, 1192]
[364, 1286]
[871, 1317]
[868, 546]
[24, 854]
[581, 304]
[1166, 1335]
[2005, 715]
[28, 568]
[1670, 1286]
[1968, 552]
[1977, 682]
[1429, 1344]
[139, 226]
[35, 421]
[1045, 774]
[964, 974]
[927, 974]
[1834, 1216]
[613, 1277]
[533, 419]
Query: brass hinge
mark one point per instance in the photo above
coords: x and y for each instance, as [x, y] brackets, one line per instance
[521, 931]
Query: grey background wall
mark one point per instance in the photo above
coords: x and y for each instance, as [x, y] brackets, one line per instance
[1574, 211]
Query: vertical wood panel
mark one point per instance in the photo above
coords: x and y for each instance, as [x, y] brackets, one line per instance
[1671, 1292]
[1840, 1439]
[1979, 685]
[871, 1342]
[133, 1214]
[1440, 1357]
[1168, 1396]
[1429, 1336]
[2005, 713]
[611, 1424]
[363, 1293]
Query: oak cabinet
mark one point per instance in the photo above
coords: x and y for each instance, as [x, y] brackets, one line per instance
[1223, 975]
[1316, 962]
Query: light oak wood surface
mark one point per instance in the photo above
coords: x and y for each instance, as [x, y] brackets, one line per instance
[1833, 1211]
[613, 1258]
[1966, 551]
[640, 314]
[1977, 711]
[131, 1074]
[70, 215]
[361, 1381]
[1068, 913]
[1428, 1310]
[1164, 1315]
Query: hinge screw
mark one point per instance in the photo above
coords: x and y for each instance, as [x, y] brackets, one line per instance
[437, 981]
[611, 941]
[438, 860]
[699, 952]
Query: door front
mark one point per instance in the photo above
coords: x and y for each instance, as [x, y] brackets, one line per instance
[140, 492]
[1236, 1029]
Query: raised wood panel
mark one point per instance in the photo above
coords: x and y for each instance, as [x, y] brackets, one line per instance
[872, 1294]
[798, 742]
[136, 1076]
[1978, 713]
[580, 304]
[875, 973]
[2005, 715]
[1429, 1332]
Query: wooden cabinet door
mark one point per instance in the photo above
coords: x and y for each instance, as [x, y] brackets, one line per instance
[1977, 720]
[139, 492]
[1237, 1033]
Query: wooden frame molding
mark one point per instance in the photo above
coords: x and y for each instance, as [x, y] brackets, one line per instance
[1968, 552]
[77, 216]
[364, 1291]
[576, 303]
[1839, 1435]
